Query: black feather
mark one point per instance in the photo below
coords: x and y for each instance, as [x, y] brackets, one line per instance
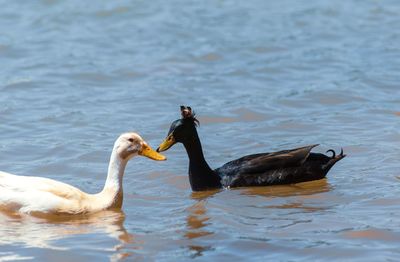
[283, 167]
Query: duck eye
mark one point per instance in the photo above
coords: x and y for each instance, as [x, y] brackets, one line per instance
[130, 140]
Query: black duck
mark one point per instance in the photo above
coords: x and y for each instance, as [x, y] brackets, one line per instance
[277, 168]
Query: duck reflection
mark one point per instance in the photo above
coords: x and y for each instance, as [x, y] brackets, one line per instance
[197, 221]
[301, 192]
[301, 189]
[44, 231]
[204, 195]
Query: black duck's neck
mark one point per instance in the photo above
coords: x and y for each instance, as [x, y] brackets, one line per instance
[201, 176]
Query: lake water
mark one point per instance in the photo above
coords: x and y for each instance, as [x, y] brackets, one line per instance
[261, 75]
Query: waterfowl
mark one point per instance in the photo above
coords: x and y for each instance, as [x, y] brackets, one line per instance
[283, 167]
[39, 195]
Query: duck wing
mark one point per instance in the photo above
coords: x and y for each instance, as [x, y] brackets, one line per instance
[257, 167]
[35, 194]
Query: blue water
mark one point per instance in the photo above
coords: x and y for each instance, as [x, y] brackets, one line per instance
[261, 75]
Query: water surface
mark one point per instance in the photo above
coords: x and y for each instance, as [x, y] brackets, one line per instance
[262, 76]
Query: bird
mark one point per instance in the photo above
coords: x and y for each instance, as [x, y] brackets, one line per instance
[41, 196]
[262, 169]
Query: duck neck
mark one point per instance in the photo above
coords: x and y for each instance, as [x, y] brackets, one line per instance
[201, 176]
[112, 192]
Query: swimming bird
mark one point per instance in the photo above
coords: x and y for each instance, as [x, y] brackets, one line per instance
[283, 167]
[39, 195]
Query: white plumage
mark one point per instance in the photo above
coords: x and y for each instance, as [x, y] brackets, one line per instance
[36, 195]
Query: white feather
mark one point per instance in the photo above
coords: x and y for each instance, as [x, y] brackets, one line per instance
[27, 194]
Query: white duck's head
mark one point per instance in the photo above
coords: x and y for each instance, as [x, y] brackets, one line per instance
[131, 144]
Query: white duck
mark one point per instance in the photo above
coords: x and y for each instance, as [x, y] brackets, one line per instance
[38, 195]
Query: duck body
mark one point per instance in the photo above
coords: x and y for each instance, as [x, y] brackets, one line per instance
[27, 194]
[284, 167]
[277, 168]
[39, 195]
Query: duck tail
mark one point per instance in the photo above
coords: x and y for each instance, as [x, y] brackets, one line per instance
[334, 158]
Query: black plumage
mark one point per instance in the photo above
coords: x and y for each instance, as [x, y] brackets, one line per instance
[277, 168]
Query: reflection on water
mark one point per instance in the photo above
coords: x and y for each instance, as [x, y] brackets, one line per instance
[302, 189]
[374, 234]
[200, 225]
[203, 195]
[196, 220]
[261, 75]
[46, 231]
[301, 206]
[196, 223]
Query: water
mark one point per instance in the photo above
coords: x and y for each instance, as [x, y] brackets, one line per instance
[261, 75]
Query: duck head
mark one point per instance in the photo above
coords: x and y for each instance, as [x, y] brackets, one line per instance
[181, 130]
[129, 145]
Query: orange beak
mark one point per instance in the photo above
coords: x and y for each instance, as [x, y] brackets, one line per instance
[147, 151]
